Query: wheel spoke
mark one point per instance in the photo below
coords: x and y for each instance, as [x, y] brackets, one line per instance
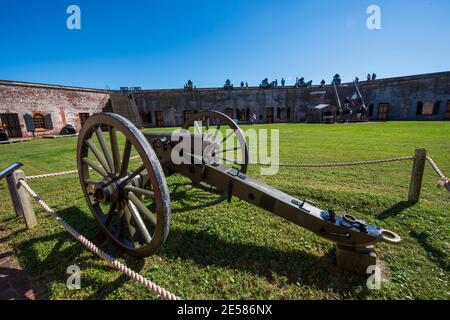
[120, 218]
[196, 127]
[110, 214]
[91, 164]
[133, 175]
[94, 182]
[229, 135]
[105, 148]
[228, 150]
[142, 208]
[115, 149]
[140, 192]
[127, 215]
[139, 222]
[125, 158]
[217, 131]
[98, 155]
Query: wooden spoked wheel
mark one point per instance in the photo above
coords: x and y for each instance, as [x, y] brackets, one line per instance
[124, 184]
[229, 145]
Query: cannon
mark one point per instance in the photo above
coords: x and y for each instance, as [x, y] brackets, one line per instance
[129, 197]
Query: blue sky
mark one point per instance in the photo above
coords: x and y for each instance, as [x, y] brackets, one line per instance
[162, 44]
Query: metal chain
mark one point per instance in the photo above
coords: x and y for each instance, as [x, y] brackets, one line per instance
[344, 164]
[99, 252]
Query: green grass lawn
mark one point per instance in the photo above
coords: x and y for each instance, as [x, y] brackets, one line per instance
[221, 250]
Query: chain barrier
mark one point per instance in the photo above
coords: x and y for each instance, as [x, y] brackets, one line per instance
[99, 252]
[344, 164]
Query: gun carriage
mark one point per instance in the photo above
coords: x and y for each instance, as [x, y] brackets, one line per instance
[130, 198]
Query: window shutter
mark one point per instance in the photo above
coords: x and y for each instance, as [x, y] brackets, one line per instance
[437, 107]
[419, 108]
[29, 123]
[48, 121]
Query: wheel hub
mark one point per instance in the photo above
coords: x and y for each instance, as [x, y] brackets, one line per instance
[113, 188]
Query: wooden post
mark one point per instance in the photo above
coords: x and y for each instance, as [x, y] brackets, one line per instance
[415, 185]
[12, 187]
[355, 260]
[24, 200]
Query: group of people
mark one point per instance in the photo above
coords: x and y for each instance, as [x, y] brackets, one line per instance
[347, 111]
[370, 77]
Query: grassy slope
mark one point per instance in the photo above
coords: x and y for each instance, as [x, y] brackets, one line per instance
[229, 251]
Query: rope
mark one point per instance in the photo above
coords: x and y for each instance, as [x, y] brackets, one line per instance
[49, 175]
[92, 247]
[64, 173]
[344, 164]
[443, 179]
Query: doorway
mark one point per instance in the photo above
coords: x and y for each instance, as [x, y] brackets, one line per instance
[229, 112]
[269, 115]
[159, 119]
[83, 117]
[11, 124]
[383, 111]
[447, 111]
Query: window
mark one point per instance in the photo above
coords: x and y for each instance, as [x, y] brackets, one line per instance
[146, 117]
[186, 115]
[83, 117]
[428, 108]
[39, 121]
[283, 113]
[229, 112]
[243, 114]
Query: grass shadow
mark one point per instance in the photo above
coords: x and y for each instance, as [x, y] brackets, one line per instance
[179, 193]
[61, 255]
[12, 235]
[437, 255]
[395, 210]
[296, 267]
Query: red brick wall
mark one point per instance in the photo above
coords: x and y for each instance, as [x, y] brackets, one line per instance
[64, 105]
